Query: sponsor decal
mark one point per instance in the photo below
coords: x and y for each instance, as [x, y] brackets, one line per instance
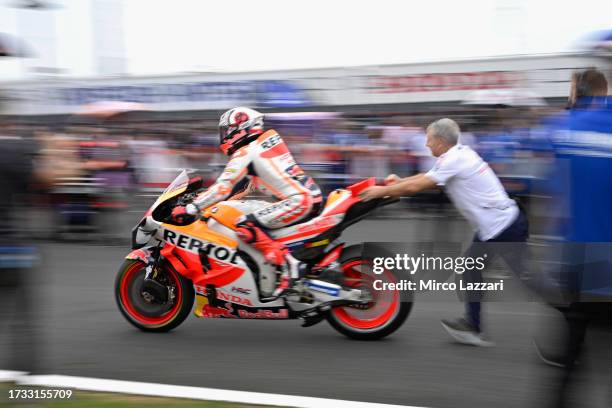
[271, 142]
[317, 243]
[264, 314]
[192, 244]
[216, 311]
[233, 298]
[141, 254]
[273, 207]
[271, 93]
[241, 290]
[453, 81]
[227, 310]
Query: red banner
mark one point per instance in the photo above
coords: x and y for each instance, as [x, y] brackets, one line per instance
[444, 82]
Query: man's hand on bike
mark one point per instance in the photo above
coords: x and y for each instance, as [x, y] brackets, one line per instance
[392, 179]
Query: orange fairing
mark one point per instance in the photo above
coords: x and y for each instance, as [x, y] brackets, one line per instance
[220, 275]
[224, 214]
[334, 196]
[339, 201]
[189, 265]
[187, 261]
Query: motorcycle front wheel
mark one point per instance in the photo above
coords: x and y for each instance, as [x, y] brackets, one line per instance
[144, 311]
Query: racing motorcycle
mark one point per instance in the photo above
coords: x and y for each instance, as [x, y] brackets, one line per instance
[174, 266]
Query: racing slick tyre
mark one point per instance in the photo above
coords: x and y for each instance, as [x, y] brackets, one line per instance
[142, 309]
[381, 317]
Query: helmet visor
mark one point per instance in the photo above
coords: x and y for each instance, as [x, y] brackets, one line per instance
[223, 134]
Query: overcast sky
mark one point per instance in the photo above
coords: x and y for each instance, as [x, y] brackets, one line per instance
[273, 34]
[168, 36]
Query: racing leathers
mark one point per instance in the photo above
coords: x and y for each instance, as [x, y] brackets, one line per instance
[266, 165]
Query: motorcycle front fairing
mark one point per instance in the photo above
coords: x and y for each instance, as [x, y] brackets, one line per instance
[146, 227]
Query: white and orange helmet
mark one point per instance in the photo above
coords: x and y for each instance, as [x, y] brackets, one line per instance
[238, 127]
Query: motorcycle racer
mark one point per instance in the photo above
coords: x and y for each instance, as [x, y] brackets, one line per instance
[260, 160]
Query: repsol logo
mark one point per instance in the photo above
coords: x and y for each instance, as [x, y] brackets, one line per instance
[274, 207]
[195, 245]
[271, 141]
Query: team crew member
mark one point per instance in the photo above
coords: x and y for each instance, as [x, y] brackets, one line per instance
[260, 160]
[580, 185]
[480, 197]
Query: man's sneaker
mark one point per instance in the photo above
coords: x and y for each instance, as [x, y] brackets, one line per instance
[465, 333]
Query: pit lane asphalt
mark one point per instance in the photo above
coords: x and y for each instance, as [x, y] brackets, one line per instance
[81, 333]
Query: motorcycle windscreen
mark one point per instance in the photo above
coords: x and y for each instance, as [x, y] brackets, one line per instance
[178, 186]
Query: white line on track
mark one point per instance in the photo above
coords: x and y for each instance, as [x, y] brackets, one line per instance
[11, 376]
[179, 391]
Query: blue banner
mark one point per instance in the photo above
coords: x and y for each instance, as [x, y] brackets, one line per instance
[262, 93]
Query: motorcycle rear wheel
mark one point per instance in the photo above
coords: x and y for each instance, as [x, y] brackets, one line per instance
[380, 318]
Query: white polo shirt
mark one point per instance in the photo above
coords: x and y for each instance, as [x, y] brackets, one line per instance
[475, 190]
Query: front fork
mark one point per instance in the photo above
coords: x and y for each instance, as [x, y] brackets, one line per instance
[152, 290]
[152, 262]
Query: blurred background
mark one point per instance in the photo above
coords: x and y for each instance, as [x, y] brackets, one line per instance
[112, 132]
[117, 103]
[115, 97]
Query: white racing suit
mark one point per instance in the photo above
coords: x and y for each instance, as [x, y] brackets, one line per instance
[266, 165]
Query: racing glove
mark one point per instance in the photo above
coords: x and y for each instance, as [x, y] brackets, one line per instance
[184, 214]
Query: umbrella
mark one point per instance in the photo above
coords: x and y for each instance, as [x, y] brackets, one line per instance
[508, 97]
[109, 109]
[11, 46]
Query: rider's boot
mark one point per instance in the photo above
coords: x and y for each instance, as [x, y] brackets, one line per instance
[274, 252]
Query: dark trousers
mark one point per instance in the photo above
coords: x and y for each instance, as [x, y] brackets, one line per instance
[511, 246]
[17, 319]
[579, 317]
